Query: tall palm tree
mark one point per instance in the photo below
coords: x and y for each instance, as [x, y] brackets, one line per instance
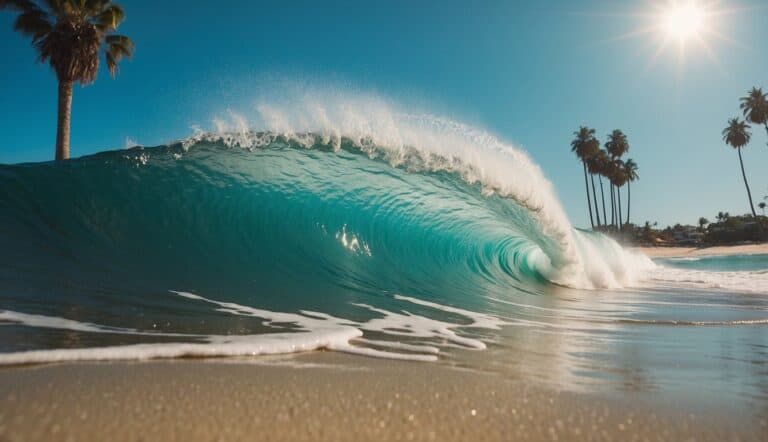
[68, 35]
[630, 172]
[737, 136]
[585, 146]
[617, 145]
[755, 107]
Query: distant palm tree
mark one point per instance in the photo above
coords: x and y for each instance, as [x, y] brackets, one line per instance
[585, 145]
[617, 145]
[703, 222]
[762, 206]
[68, 35]
[755, 107]
[737, 136]
[630, 172]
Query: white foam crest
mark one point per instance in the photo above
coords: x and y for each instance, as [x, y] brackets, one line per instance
[427, 142]
[309, 331]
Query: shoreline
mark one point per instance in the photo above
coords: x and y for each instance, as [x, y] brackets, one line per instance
[682, 252]
[329, 396]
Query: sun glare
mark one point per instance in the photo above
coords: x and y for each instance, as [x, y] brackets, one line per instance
[683, 21]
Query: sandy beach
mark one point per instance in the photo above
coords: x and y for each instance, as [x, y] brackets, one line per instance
[327, 396]
[677, 252]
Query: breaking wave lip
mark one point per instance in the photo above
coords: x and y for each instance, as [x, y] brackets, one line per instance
[315, 331]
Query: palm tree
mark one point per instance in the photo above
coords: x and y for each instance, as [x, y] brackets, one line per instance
[737, 136]
[617, 145]
[703, 222]
[762, 206]
[755, 107]
[585, 145]
[68, 35]
[630, 173]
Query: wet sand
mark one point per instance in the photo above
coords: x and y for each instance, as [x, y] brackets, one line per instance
[681, 252]
[328, 396]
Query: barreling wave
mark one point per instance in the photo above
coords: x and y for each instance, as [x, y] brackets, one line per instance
[425, 144]
[330, 209]
[386, 183]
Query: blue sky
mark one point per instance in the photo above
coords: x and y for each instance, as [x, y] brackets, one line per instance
[529, 72]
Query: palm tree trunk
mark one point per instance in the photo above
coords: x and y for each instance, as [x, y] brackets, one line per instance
[589, 203]
[65, 115]
[618, 205]
[613, 206]
[746, 184]
[629, 199]
[594, 197]
[602, 196]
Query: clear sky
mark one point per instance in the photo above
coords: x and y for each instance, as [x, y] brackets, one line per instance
[530, 72]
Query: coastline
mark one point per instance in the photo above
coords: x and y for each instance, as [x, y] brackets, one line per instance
[682, 252]
[329, 396]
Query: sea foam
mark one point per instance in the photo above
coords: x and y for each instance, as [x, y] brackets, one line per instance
[310, 331]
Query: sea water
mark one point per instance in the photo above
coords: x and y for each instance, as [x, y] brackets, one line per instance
[362, 230]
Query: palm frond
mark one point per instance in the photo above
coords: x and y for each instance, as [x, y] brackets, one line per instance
[33, 23]
[630, 169]
[118, 46]
[109, 18]
[94, 7]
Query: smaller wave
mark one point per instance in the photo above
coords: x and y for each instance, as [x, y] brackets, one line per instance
[674, 322]
[731, 282]
[413, 337]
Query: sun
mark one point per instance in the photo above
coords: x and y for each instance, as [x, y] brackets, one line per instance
[682, 29]
[683, 21]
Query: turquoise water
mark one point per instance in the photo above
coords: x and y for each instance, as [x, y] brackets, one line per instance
[720, 263]
[213, 249]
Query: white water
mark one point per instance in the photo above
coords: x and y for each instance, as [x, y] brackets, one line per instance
[730, 282]
[310, 331]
